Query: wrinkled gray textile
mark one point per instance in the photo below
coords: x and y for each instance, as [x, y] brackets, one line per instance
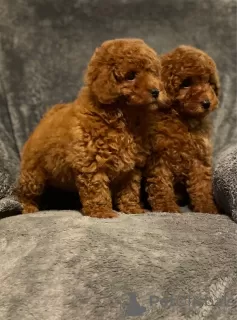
[9, 207]
[62, 266]
[225, 181]
[9, 159]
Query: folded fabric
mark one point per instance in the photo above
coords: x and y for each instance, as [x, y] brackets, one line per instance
[9, 207]
[225, 181]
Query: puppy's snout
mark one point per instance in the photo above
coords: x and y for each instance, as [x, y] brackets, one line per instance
[155, 93]
[206, 104]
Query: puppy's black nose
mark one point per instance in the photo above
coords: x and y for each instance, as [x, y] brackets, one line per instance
[206, 104]
[155, 93]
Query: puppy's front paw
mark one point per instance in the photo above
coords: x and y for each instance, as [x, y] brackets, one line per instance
[133, 210]
[167, 207]
[102, 214]
[29, 208]
[207, 207]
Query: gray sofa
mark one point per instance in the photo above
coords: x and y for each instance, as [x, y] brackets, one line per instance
[59, 265]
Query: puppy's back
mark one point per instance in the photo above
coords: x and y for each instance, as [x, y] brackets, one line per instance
[52, 130]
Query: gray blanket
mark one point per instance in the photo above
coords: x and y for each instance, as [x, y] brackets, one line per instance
[45, 46]
[60, 265]
[225, 182]
[68, 267]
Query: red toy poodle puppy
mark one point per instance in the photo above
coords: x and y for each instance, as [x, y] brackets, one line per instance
[180, 135]
[97, 144]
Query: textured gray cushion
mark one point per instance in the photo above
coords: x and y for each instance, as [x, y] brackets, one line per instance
[225, 181]
[61, 266]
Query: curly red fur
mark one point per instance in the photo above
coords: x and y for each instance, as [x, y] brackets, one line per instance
[180, 135]
[98, 143]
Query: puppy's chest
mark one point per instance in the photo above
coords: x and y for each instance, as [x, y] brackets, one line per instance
[192, 145]
[180, 146]
[120, 150]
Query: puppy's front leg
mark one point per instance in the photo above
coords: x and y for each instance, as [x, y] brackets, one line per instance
[95, 195]
[199, 187]
[161, 195]
[128, 193]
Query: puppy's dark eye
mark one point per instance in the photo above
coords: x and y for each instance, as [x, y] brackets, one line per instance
[131, 75]
[186, 83]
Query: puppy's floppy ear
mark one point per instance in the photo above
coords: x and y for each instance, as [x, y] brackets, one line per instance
[215, 82]
[101, 81]
[168, 76]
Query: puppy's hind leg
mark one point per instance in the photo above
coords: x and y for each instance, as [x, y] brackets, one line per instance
[29, 189]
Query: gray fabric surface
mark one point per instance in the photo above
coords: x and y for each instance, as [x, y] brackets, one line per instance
[9, 207]
[65, 266]
[225, 181]
[45, 46]
[9, 159]
[59, 265]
